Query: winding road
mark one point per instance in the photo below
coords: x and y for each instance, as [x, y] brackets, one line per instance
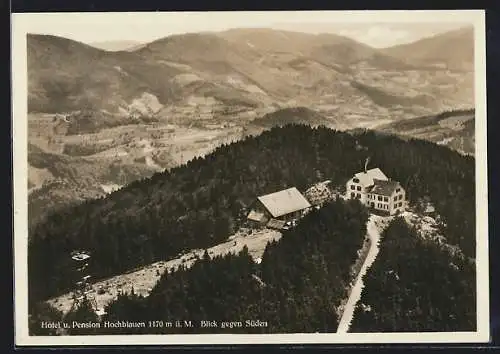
[374, 227]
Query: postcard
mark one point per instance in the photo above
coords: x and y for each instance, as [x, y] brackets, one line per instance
[285, 177]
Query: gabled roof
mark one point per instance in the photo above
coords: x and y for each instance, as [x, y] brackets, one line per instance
[385, 188]
[367, 178]
[284, 202]
[256, 216]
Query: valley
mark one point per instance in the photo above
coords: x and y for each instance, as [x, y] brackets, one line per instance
[67, 169]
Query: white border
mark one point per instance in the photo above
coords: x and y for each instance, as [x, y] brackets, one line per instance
[26, 23]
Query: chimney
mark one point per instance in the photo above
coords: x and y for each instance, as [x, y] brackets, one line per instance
[366, 164]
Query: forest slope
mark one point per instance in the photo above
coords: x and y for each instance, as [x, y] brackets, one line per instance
[414, 286]
[455, 129]
[287, 289]
[297, 287]
[201, 203]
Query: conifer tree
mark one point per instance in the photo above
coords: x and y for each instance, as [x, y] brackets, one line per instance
[82, 320]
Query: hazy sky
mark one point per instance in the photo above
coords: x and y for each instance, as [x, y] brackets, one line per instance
[375, 28]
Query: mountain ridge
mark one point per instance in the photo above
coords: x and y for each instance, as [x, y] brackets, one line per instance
[440, 49]
[117, 45]
[455, 129]
[224, 66]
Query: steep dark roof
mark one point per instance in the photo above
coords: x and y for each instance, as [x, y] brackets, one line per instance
[385, 188]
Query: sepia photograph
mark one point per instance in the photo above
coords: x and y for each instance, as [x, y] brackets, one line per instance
[250, 177]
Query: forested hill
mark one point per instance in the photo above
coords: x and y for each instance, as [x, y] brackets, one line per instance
[413, 287]
[201, 203]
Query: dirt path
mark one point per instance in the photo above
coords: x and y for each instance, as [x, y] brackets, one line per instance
[374, 227]
[144, 279]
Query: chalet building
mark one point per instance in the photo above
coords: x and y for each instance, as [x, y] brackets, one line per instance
[276, 209]
[375, 190]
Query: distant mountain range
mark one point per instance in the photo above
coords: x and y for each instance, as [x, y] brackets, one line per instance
[453, 50]
[243, 70]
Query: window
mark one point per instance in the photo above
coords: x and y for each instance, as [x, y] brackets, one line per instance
[379, 198]
[355, 180]
[359, 188]
[386, 199]
[353, 187]
[352, 194]
[395, 198]
[398, 189]
[359, 195]
[400, 196]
